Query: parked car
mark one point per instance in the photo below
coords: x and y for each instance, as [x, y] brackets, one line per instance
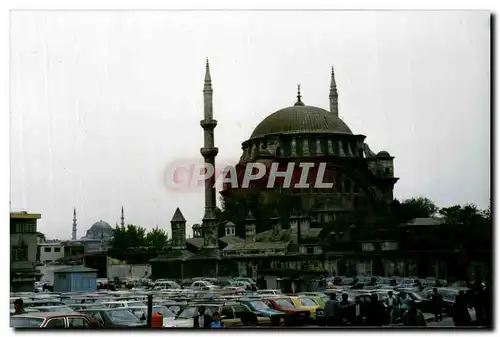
[56, 308]
[284, 304]
[115, 318]
[53, 320]
[165, 284]
[83, 306]
[202, 285]
[232, 314]
[269, 292]
[262, 311]
[305, 303]
[142, 313]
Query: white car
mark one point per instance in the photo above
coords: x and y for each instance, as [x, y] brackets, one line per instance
[164, 284]
[269, 292]
[123, 304]
[199, 285]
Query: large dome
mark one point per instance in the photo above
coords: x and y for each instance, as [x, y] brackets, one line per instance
[101, 225]
[301, 119]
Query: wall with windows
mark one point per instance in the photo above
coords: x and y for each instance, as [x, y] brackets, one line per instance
[50, 252]
[23, 240]
[23, 247]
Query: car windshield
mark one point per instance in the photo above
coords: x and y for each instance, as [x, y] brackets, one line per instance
[136, 304]
[122, 316]
[307, 302]
[259, 305]
[416, 296]
[190, 312]
[61, 309]
[285, 304]
[347, 281]
[164, 311]
[25, 322]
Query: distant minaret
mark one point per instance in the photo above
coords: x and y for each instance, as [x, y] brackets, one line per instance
[122, 218]
[209, 151]
[334, 96]
[73, 231]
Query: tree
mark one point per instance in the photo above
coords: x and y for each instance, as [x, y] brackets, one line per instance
[417, 208]
[157, 238]
[119, 240]
[125, 237]
[466, 228]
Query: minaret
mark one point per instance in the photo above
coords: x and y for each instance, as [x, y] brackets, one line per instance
[73, 231]
[122, 218]
[334, 96]
[209, 151]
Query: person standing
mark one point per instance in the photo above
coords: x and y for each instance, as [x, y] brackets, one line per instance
[390, 302]
[375, 312]
[437, 303]
[202, 320]
[332, 311]
[461, 316]
[344, 306]
[403, 303]
[216, 322]
[413, 316]
[357, 311]
[19, 307]
[487, 304]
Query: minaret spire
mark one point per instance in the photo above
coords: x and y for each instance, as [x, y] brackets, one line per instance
[209, 152]
[122, 218]
[334, 96]
[73, 231]
[208, 79]
[299, 97]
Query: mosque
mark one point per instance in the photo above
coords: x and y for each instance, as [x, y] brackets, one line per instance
[97, 238]
[285, 243]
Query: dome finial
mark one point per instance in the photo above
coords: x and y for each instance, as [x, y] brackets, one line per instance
[299, 96]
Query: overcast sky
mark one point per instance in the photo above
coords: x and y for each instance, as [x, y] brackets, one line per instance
[102, 102]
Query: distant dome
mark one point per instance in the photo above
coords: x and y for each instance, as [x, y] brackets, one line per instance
[383, 154]
[101, 225]
[299, 119]
[99, 230]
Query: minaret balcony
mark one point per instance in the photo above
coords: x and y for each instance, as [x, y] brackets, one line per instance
[208, 124]
[208, 152]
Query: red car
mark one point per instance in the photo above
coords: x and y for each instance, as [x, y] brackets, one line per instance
[283, 304]
[53, 320]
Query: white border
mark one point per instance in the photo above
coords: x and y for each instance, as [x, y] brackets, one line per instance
[5, 6]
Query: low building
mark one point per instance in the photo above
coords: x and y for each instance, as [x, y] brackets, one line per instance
[50, 252]
[23, 251]
[75, 279]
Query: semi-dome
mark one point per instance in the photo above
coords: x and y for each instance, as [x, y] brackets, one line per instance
[299, 119]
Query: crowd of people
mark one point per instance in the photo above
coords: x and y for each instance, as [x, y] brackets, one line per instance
[372, 312]
[403, 309]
